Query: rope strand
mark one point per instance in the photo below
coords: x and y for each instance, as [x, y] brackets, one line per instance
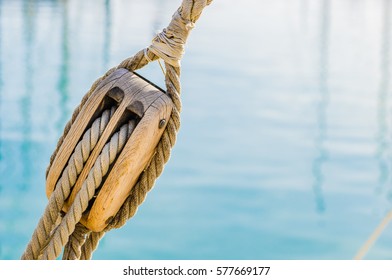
[93, 181]
[64, 185]
[72, 250]
[374, 236]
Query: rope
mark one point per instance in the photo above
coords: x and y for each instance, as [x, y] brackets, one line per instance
[170, 43]
[75, 115]
[374, 236]
[72, 250]
[101, 166]
[91, 244]
[64, 185]
[78, 242]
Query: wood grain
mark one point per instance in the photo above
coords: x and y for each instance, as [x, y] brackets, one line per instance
[78, 128]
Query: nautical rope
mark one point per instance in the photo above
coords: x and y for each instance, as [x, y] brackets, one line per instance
[64, 185]
[91, 244]
[78, 241]
[189, 12]
[75, 115]
[374, 236]
[101, 166]
[72, 250]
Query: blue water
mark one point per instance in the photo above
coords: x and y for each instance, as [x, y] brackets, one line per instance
[285, 146]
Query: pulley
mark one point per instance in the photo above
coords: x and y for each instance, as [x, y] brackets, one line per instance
[134, 99]
[113, 148]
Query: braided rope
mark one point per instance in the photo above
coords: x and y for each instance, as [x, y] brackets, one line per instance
[91, 244]
[74, 116]
[72, 250]
[64, 185]
[82, 243]
[101, 166]
[79, 242]
[189, 12]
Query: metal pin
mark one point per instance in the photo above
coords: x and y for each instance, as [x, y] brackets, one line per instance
[162, 123]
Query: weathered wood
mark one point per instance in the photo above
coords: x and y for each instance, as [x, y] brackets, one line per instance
[136, 98]
[78, 127]
[132, 161]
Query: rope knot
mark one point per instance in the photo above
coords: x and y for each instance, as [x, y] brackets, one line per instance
[170, 43]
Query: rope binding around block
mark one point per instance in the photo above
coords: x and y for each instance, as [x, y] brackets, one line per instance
[113, 148]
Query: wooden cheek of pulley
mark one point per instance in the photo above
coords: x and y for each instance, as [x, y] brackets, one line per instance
[136, 98]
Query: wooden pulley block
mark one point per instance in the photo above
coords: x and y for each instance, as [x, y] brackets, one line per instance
[134, 98]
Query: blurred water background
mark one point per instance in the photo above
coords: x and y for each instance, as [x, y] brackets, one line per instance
[285, 146]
